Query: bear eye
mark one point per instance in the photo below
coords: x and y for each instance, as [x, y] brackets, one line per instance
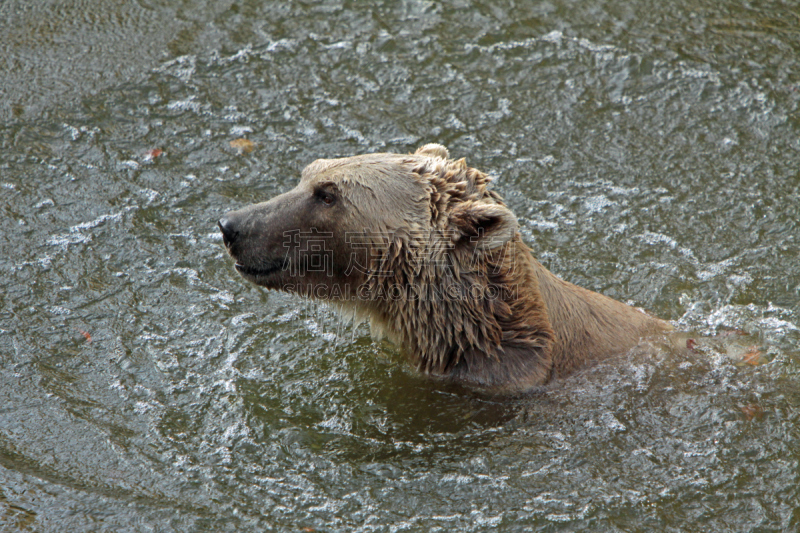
[325, 196]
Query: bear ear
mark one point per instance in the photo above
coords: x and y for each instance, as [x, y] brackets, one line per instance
[433, 150]
[485, 225]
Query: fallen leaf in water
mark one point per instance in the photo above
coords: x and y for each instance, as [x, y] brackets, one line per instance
[752, 411]
[152, 154]
[242, 146]
[86, 335]
[753, 356]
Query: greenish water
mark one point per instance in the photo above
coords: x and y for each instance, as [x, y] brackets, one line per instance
[651, 150]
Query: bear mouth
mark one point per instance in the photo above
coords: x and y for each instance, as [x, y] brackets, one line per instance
[258, 272]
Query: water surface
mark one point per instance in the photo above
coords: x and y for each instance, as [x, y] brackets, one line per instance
[650, 149]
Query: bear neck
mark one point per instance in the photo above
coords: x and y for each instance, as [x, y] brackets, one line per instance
[485, 325]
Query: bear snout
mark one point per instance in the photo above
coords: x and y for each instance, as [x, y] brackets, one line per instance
[230, 230]
[255, 237]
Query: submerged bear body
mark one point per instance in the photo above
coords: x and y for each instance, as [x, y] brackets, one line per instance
[420, 246]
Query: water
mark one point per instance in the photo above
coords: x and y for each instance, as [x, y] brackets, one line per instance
[650, 150]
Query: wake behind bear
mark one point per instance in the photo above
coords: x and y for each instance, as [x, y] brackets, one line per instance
[423, 249]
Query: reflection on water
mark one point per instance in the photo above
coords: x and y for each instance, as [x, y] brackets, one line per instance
[649, 149]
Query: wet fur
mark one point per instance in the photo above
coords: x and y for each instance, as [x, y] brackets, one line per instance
[432, 226]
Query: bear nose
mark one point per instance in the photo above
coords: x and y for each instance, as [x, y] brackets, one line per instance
[229, 230]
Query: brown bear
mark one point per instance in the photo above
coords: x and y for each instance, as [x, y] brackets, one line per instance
[419, 245]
